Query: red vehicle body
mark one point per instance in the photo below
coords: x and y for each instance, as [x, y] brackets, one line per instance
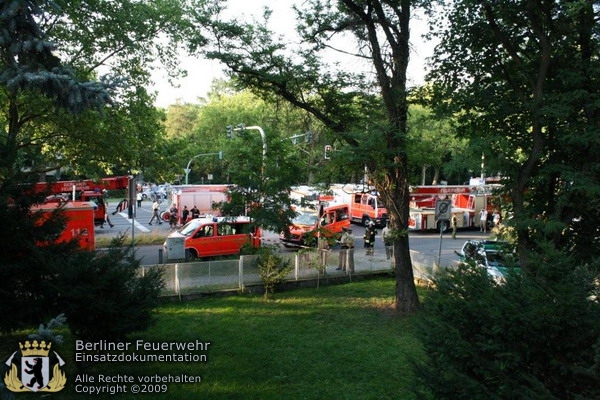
[215, 236]
[80, 222]
[467, 201]
[83, 190]
[201, 196]
[307, 226]
[365, 204]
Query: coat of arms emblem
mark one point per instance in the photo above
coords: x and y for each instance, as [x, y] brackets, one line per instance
[36, 372]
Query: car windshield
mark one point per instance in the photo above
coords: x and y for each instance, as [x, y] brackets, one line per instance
[305, 219]
[190, 227]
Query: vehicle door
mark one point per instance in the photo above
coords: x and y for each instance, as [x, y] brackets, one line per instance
[203, 240]
[231, 236]
[339, 220]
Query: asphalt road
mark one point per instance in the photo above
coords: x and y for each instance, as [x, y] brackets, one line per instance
[428, 243]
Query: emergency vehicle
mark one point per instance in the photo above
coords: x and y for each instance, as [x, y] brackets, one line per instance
[213, 236]
[83, 190]
[365, 204]
[201, 196]
[79, 221]
[467, 202]
[330, 221]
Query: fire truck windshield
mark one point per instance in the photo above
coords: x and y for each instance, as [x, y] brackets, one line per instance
[305, 219]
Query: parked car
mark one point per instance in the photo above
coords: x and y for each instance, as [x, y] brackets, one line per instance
[154, 194]
[497, 257]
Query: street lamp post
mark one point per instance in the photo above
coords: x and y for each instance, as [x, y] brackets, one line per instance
[187, 169]
[241, 127]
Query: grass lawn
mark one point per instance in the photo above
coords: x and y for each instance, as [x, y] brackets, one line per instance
[335, 342]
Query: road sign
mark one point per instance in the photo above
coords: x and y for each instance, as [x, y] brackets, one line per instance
[443, 210]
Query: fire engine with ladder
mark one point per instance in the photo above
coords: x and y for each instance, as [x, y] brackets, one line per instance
[83, 203]
[467, 202]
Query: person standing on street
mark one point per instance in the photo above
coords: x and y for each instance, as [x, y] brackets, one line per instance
[139, 199]
[483, 215]
[454, 223]
[388, 241]
[369, 238]
[343, 251]
[348, 242]
[155, 214]
[184, 215]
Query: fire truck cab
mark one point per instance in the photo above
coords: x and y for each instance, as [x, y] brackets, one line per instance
[308, 225]
[365, 204]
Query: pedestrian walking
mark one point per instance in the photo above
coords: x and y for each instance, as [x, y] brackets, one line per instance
[139, 199]
[155, 213]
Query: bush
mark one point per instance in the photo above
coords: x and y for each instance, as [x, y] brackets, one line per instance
[535, 337]
[103, 295]
[272, 269]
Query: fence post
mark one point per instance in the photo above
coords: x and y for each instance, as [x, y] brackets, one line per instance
[241, 273]
[296, 266]
[177, 288]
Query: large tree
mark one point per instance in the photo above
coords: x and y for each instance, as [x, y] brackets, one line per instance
[523, 77]
[371, 121]
[115, 44]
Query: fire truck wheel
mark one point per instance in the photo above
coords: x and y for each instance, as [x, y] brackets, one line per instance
[165, 215]
[365, 220]
[190, 255]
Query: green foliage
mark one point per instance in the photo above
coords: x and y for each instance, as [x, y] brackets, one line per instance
[29, 260]
[522, 85]
[103, 295]
[535, 337]
[272, 269]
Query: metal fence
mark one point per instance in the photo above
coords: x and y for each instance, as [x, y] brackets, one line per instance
[210, 276]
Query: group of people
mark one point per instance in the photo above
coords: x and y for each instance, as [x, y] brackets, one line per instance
[483, 219]
[173, 214]
[346, 254]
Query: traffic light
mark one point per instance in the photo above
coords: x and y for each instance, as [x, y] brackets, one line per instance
[229, 131]
[328, 149]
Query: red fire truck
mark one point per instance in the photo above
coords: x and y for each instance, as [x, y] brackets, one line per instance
[201, 196]
[83, 190]
[467, 202]
[80, 221]
[364, 203]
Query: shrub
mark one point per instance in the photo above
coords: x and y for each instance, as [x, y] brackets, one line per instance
[535, 337]
[103, 295]
[272, 269]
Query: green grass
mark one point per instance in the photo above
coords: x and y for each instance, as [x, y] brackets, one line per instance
[141, 239]
[335, 342]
